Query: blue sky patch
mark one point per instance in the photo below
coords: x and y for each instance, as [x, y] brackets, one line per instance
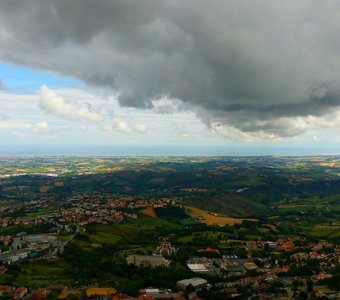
[20, 80]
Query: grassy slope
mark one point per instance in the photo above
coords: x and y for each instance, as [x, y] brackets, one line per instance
[229, 204]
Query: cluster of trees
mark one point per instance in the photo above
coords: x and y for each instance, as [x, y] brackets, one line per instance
[107, 267]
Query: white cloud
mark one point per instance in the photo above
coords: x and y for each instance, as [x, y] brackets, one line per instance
[9, 124]
[185, 135]
[52, 103]
[21, 111]
[167, 106]
[20, 136]
[123, 127]
[41, 127]
[82, 128]
[106, 128]
[141, 128]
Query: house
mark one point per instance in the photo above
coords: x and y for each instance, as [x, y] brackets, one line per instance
[151, 291]
[251, 246]
[158, 292]
[250, 280]
[284, 245]
[288, 245]
[287, 281]
[316, 255]
[234, 266]
[5, 289]
[165, 249]
[322, 275]
[270, 277]
[5, 239]
[250, 265]
[299, 256]
[203, 264]
[19, 292]
[321, 246]
[285, 268]
[38, 294]
[199, 268]
[195, 282]
[209, 250]
[145, 261]
[13, 256]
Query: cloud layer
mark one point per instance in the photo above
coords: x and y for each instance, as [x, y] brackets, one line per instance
[41, 127]
[254, 68]
[55, 104]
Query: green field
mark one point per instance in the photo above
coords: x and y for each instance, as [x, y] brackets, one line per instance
[322, 230]
[38, 274]
[40, 212]
[134, 232]
[4, 202]
[102, 237]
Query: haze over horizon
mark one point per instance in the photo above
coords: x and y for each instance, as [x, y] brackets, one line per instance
[177, 77]
[159, 150]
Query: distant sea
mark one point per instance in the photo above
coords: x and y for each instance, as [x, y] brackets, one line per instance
[109, 150]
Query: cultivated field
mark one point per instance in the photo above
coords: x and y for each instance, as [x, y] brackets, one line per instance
[212, 218]
[149, 211]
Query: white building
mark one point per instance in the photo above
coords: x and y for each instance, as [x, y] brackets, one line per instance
[195, 282]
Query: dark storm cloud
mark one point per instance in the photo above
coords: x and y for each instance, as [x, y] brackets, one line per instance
[246, 64]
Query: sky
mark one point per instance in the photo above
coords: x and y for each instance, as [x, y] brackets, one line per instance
[179, 73]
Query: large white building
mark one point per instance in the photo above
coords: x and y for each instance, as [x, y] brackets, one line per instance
[195, 282]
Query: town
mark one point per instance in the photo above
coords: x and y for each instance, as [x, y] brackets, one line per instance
[265, 266]
[81, 236]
